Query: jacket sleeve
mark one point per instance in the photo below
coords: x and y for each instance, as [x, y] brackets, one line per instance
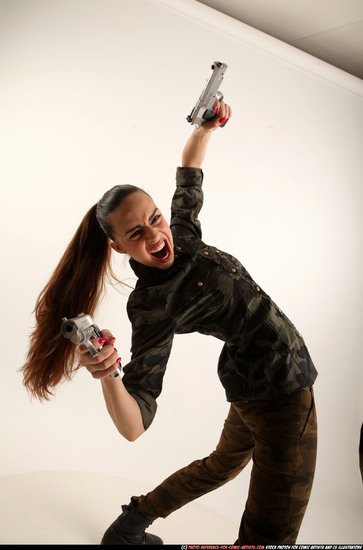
[187, 200]
[152, 338]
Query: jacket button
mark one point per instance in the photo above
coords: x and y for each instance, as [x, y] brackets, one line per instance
[206, 253]
[258, 288]
[176, 255]
[218, 252]
[200, 283]
[233, 270]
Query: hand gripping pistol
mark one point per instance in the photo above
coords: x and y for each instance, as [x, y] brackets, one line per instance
[82, 329]
[203, 109]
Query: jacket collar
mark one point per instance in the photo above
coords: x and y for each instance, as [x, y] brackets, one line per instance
[157, 276]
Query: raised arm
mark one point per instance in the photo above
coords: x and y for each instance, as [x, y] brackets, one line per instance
[196, 146]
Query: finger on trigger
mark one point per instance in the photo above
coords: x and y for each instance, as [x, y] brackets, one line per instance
[107, 333]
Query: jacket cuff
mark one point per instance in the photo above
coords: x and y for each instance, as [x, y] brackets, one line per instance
[187, 177]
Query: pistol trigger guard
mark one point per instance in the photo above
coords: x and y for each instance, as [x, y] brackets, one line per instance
[93, 351]
[209, 114]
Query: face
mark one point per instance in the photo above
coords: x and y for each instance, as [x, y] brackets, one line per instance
[141, 231]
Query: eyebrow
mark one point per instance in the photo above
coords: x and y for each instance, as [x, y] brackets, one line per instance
[137, 226]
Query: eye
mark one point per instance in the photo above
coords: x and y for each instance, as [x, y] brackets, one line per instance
[135, 234]
[156, 218]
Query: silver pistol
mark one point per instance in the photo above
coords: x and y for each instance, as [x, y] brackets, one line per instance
[203, 109]
[82, 329]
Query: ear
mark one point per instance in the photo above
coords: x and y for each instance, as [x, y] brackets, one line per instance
[117, 248]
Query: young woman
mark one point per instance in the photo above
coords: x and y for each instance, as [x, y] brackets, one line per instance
[187, 286]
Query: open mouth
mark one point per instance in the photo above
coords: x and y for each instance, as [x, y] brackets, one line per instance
[161, 252]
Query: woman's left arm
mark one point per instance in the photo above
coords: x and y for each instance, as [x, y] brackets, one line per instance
[196, 146]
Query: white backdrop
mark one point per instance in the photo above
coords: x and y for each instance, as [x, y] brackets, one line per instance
[95, 93]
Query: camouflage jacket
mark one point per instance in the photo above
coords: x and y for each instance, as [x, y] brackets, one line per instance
[209, 291]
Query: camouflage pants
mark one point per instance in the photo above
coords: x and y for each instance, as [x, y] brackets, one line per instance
[281, 438]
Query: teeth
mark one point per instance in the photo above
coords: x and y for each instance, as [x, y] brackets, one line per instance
[158, 248]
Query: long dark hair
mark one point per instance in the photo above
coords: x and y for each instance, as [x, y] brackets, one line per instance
[76, 286]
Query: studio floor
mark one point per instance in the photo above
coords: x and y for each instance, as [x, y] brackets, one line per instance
[77, 507]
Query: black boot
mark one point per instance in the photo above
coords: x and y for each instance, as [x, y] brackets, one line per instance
[129, 528]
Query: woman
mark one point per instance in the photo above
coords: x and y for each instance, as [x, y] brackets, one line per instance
[186, 286]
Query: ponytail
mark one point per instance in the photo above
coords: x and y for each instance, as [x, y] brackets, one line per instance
[75, 286]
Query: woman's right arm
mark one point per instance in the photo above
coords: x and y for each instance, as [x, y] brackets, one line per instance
[122, 407]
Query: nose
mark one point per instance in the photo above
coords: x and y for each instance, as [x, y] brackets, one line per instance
[152, 234]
